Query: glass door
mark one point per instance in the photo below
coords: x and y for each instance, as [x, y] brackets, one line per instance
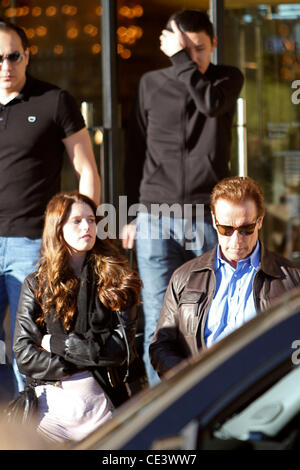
[264, 42]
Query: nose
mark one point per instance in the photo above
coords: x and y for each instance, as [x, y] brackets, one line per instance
[194, 56]
[236, 238]
[84, 224]
[6, 64]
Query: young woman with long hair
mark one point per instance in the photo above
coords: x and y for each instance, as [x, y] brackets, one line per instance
[76, 322]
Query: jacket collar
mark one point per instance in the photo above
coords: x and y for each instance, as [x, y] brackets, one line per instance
[211, 70]
[25, 92]
[267, 262]
[206, 261]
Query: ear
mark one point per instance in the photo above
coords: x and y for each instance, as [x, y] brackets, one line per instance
[214, 43]
[213, 220]
[260, 222]
[27, 55]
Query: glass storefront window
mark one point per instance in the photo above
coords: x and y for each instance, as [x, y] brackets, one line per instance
[264, 41]
[65, 42]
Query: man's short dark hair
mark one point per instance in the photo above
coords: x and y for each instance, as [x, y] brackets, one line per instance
[7, 26]
[192, 21]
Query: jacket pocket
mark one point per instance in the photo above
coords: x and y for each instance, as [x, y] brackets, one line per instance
[189, 306]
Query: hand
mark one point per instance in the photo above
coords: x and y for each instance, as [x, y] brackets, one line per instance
[77, 347]
[128, 236]
[128, 315]
[172, 42]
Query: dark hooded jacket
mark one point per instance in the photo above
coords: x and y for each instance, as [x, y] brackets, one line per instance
[180, 133]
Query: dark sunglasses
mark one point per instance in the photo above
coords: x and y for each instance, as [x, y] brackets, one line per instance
[13, 57]
[228, 230]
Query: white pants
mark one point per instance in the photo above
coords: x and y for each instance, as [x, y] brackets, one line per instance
[73, 409]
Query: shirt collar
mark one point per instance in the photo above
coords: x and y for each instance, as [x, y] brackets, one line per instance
[22, 93]
[26, 88]
[253, 259]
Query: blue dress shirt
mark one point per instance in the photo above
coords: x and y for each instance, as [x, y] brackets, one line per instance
[233, 302]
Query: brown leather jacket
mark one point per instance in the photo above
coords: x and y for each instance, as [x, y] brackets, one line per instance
[180, 329]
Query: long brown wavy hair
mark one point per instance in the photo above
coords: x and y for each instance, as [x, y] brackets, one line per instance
[117, 285]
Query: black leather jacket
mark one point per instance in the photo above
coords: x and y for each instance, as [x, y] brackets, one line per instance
[180, 329]
[101, 353]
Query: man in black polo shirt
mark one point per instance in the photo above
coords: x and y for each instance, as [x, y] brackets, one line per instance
[38, 121]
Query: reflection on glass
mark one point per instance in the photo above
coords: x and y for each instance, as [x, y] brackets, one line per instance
[264, 41]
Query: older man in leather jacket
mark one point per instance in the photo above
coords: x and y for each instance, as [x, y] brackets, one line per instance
[217, 292]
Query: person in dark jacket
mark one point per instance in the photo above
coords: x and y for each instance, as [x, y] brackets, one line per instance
[39, 123]
[178, 149]
[214, 294]
[76, 322]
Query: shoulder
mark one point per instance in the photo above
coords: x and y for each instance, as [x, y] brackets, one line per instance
[223, 71]
[156, 77]
[276, 265]
[37, 87]
[154, 82]
[30, 282]
[43, 95]
[284, 262]
[198, 265]
[49, 93]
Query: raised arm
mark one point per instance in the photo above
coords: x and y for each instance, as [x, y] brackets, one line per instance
[213, 95]
[80, 151]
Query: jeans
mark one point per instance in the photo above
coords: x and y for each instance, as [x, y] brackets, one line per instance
[162, 245]
[18, 257]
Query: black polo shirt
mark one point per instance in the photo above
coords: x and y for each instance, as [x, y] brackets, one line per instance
[32, 127]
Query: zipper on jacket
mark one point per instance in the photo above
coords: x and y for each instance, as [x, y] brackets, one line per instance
[204, 317]
[109, 378]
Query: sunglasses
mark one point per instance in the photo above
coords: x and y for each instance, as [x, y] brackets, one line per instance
[228, 230]
[13, 57]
